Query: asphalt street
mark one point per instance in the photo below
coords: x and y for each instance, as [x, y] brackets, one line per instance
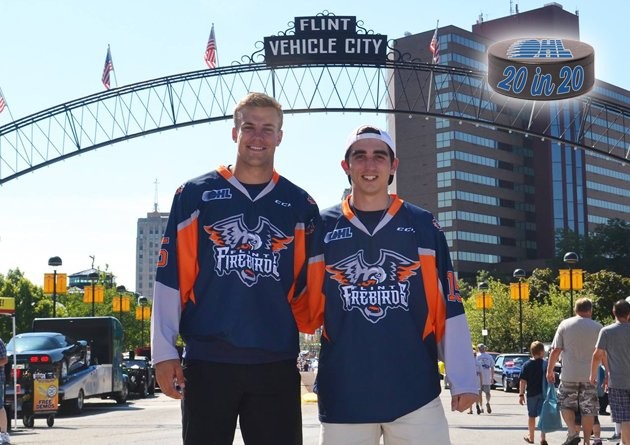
[156, 421]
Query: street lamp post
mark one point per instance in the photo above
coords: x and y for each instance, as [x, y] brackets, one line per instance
[571, 258]
[519, 274]
[120, 290]
[483, 287]
[54, 261]
[142, 301]
[93, 277]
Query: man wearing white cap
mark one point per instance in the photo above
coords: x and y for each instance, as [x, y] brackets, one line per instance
[392, 310]
[486, 363]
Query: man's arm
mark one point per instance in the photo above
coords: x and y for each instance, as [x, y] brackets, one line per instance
[553, 359]
[596, 360]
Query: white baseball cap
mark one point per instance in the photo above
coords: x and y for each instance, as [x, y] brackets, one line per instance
[369, 132]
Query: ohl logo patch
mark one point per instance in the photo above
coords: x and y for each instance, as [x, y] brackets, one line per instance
[373, 289]
[249, 253]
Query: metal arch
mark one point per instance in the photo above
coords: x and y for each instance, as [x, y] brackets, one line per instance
[116, 115]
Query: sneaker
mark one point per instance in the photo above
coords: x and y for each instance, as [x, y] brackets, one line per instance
[572, 440]
[5, 439]
[596, 441]
[488, 408]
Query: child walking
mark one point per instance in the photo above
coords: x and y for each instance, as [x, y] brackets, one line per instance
[532, 382]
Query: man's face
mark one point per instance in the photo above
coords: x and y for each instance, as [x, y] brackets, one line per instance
[257, 134]
[369, 166]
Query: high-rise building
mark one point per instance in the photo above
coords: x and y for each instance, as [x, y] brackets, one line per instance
[148, 242]
[501, 196]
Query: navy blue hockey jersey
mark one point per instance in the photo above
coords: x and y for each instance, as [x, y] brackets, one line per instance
[392, 307]
[237, 276]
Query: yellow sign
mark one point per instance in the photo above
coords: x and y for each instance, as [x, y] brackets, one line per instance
[570, 280]
[46, 395]
[99, 294]
[143, 313]
[479, 300]
[49, 283]
[121, 304]
[7, 305]
[517, 294]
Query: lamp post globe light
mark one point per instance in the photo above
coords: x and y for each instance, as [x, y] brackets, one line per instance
[54, 261]
[519, 274]
[483, 287]
[571, 258]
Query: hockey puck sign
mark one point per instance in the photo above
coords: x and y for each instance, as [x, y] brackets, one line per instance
[541, 69]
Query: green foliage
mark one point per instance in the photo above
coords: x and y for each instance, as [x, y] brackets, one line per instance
[607, 248]
[605, 288]
[31, 303]
[540, 315]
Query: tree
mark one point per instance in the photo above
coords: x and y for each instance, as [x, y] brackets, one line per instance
[613, 245]
[28, 302]
[608, 247]
[604, 288]
[540, 282]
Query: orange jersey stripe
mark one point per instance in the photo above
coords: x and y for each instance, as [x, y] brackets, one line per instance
[187, 263]
[436, 317]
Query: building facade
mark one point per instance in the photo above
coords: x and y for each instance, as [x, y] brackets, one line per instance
[148, 242]
[501, 197]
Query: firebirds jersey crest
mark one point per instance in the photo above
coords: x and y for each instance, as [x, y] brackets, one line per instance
[249, 253]
[373, 289]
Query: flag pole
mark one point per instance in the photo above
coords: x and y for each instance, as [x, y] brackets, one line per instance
[437, 25]
[6, 105]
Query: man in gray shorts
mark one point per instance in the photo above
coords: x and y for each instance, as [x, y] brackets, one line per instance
[575, 338]
[613, 347]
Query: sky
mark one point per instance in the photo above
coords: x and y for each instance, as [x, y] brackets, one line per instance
[54, 52]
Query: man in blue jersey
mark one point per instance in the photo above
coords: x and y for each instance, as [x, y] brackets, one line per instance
[392, 310]
[237, 278]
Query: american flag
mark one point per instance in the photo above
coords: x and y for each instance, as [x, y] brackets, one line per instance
[434, 46]
[109, 66]
[3, 103]
[211, 50]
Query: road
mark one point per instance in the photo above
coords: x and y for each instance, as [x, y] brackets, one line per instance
[156, 421]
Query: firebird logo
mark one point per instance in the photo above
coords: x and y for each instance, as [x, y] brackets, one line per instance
[249, 253]
[374, 288]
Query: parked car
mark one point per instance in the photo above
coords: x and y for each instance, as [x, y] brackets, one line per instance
[507, 370]
[141, 375]
[60, 353]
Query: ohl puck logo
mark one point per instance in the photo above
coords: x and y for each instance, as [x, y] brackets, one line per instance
[541, 69]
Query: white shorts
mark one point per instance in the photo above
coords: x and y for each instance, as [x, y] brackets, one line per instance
[424, 426]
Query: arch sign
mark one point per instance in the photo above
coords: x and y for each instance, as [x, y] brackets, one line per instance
[325, 39]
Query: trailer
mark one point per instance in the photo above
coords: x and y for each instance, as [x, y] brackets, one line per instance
[101, 376]
[105, 377]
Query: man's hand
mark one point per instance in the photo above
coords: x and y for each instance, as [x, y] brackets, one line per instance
[461, 402]
[170, 377]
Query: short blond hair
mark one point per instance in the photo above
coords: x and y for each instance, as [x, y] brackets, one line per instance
[260, 100]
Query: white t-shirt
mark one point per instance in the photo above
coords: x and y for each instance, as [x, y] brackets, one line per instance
[486, 363]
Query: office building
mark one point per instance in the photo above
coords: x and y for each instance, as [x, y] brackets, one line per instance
[501, 197]
[148, 242]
